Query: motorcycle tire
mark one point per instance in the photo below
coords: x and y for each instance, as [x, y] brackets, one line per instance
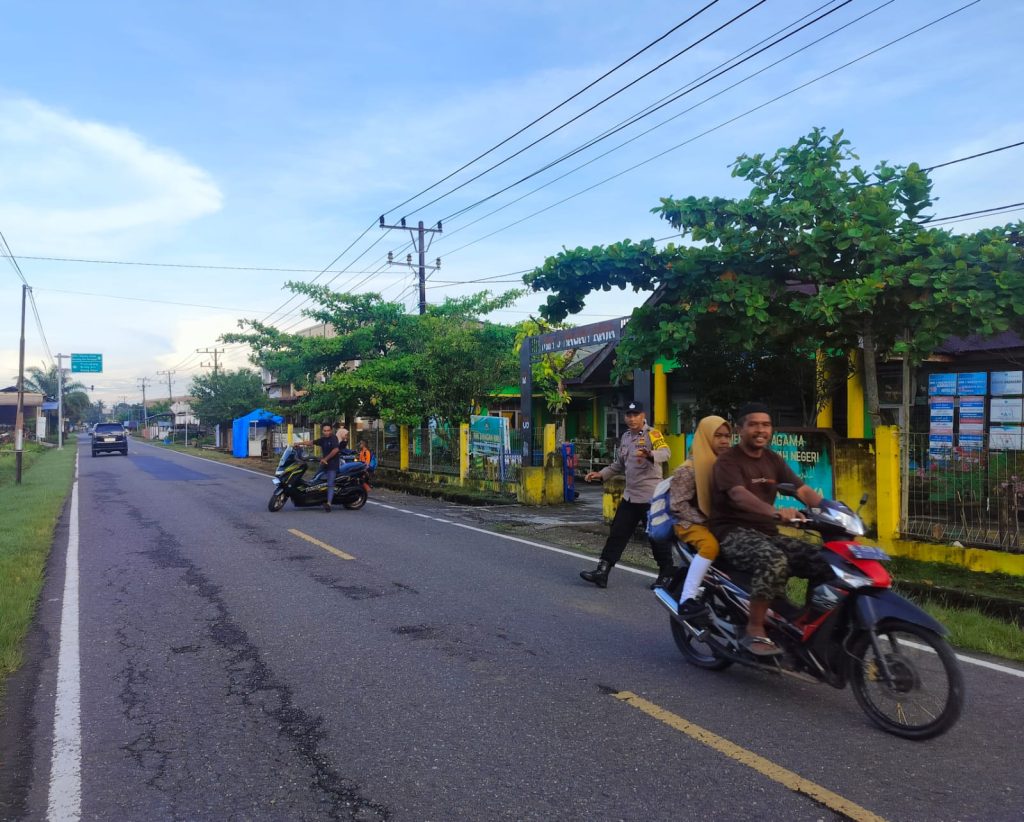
[357, 502]
[277, 501]
[696, 653]
[889, 704]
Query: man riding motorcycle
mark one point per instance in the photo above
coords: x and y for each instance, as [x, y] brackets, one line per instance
[744, 520]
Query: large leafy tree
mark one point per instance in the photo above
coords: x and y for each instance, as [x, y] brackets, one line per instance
[220, 397]
[821, 255]
[386, 363]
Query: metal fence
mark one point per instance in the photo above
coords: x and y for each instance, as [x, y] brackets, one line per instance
[593, 455]
[385, 443]
[434, 450]
[966, 494]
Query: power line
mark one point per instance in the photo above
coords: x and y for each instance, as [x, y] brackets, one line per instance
[719, 126]
[972, 156]
[601, 102]
[983, 212]
[550, 111]
[648, 112]
[675, 116]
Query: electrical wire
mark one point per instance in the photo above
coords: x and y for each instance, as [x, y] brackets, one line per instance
[719, 126]
[550, 111]
[601, 102]
[645, 114]
[670, 119]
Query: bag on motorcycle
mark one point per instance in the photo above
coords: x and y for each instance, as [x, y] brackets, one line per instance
[660, 518]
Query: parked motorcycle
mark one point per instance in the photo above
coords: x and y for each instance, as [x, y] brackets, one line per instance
[852, 629]
[351, 485]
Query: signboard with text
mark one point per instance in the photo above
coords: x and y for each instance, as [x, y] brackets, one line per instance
[1007, 410]
[1007, 383]
[972, 383]
[86, 363]
[941, 385]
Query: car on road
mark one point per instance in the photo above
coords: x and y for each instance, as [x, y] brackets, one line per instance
[108, 437]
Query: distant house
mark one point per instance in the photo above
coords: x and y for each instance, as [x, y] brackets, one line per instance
[9, 407]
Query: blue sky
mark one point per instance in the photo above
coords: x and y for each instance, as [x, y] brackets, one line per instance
[258, 135]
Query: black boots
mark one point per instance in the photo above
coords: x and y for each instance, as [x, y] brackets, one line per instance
[664, 579]
[599, 576]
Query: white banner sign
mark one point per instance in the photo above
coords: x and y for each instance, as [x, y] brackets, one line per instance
[1008, 410]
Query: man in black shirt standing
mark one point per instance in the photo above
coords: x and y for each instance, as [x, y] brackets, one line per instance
[330, 448]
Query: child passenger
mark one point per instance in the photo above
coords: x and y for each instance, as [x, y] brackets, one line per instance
[690, 502]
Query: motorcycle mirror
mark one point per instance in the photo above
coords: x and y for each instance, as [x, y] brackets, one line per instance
[863, 501]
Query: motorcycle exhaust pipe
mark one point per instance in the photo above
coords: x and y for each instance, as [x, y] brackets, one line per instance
[666, 599]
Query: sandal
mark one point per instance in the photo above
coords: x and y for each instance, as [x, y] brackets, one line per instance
[760, 646]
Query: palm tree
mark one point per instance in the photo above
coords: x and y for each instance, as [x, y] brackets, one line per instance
[45, 381]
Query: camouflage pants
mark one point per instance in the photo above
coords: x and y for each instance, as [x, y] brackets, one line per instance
[772, 560]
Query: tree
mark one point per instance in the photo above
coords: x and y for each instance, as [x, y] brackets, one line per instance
[220, 397]
[46, 381]
[385, 363]
[821, 255]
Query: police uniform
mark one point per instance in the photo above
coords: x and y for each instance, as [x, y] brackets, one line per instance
[642, 475]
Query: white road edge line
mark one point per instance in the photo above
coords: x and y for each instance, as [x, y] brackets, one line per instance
[968, 659]
[65, 800]
[981, 662]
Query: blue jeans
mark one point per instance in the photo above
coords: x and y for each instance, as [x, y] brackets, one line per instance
[330, 474]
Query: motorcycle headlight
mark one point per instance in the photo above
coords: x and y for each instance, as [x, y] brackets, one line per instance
[849, 579]
[277, 481]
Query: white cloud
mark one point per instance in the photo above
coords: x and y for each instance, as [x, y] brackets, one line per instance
[70, 185]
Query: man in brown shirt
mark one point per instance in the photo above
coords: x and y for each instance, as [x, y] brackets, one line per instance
[745, 521]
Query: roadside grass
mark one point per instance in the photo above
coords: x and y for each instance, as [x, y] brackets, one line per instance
[29, 456]
[961, 579]
[969, 628]
[29, 513]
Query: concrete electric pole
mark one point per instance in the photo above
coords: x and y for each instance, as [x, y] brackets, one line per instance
[214, 352]
[145, 414]
[419, 235]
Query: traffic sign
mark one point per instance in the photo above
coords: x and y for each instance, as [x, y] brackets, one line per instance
[86, 363]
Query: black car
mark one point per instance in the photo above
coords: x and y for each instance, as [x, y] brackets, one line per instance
[109, 436]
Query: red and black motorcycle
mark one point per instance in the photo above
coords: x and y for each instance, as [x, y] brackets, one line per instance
[852, 629]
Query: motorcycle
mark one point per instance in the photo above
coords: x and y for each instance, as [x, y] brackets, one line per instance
[351, 485]
[853, 629]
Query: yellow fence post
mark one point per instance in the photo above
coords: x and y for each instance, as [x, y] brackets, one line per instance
[549, 441]
[291, 432]
[403, 447]
[660, 398]
[855, 398]
[463, 451]
[887, 482]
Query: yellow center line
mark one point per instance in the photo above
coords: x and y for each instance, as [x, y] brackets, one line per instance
[329, 548]
[766, 767]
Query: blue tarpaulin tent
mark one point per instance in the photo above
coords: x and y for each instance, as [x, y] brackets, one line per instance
[240, 429]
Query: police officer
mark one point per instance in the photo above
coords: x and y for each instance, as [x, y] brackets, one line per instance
[641, 456]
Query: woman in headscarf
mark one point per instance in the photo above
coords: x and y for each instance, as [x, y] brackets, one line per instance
[690, 502]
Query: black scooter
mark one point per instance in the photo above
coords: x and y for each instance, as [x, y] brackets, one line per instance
[351, 485]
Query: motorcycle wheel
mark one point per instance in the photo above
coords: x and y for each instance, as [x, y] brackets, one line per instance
[277, 501]
[927, 692]
[696, 652]
[356, 502]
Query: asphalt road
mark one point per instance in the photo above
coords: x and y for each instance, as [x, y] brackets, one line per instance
[231, 668]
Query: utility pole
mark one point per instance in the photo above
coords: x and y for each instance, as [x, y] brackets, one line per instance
[145, 416]
[19, 416]
[215, 352]
[60, 400]
[168, 374]
[418, 235]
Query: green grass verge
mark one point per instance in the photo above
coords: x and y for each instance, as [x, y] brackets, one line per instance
[961, 579]
[29, 513]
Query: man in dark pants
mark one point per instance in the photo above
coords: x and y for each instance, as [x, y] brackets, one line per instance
[641, 456]
[330, 448]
